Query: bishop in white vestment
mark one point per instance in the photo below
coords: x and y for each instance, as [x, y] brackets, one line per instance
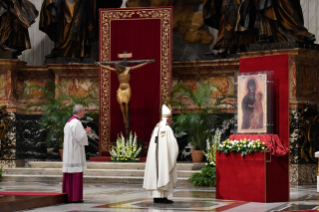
[74, 160]
[160, 176]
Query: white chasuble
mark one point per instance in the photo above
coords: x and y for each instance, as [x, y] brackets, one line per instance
[75, 138]
[160, 170]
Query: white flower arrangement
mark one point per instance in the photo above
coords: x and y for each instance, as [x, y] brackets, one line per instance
[125, 151]
[242, 146]
[210, 153]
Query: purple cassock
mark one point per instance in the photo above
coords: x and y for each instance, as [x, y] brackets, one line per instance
[73, 185]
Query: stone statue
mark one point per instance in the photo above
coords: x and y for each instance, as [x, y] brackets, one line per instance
[187, 21]
[273, 21]
[71, 24]
[124, 91]
[16, 16]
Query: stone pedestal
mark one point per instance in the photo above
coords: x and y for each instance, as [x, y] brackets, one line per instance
[8, 87]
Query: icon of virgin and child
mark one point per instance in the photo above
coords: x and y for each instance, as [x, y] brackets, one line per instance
[252, 107]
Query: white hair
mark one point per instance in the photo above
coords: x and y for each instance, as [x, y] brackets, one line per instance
[77, 108]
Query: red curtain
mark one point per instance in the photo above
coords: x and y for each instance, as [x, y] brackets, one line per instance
[131, 36]
[144, 37]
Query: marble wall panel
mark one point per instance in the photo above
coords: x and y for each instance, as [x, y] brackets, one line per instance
[8, 143]
[30, 139]
[219, 73]
[303, 174]
[80, 87]
[224, 83]
[77, 79]
[33, 94]
[2, 84]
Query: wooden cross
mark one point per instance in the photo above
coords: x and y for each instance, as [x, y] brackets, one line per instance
[125, 76]
[125, 60]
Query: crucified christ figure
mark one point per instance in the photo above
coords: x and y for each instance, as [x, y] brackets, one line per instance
[124, 91]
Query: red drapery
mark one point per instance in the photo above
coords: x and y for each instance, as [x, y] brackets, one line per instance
[280, 65]
[146, 33]
[274, 144]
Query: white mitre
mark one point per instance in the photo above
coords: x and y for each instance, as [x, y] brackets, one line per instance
[166, 111]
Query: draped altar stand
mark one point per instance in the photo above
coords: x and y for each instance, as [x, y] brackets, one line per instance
[257, 177]
[264, 177]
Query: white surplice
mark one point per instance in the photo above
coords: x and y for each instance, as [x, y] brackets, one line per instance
[161, 184]
[75, 138]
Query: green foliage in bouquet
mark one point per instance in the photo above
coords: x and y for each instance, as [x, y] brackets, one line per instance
[244, 147]
[0, 175]
[125, 151]
[206, 178]
[211, 148]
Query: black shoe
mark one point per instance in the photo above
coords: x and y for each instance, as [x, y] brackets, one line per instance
[80, 201]
[167, 201]
[158, 200]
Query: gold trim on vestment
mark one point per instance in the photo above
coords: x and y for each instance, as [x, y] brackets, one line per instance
[167, 116]
[107, 16]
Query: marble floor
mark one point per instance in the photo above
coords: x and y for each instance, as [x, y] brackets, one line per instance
[132, 198]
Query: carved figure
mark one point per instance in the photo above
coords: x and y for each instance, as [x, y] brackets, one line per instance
[187, 20]
[273, 21]
[124, 91]
[16, 16]
[71, 25]
[222, 15]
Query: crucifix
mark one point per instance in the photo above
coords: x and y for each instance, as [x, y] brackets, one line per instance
[123, 71]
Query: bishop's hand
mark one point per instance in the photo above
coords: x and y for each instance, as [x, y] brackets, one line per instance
[88, 130]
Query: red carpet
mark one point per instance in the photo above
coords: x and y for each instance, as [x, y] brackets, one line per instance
[303, 211]
[30, 193]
